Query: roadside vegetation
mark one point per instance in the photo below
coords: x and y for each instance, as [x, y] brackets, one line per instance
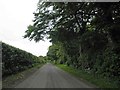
[84, 35]
[16, 63]
[12, 80]
[85, 76]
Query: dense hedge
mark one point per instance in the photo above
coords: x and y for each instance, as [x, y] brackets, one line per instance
[96, 55]
[100, 56]
[15, 60]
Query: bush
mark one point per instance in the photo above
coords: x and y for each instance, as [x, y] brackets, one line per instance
[111, 63]
[93, 42]
[15, 60]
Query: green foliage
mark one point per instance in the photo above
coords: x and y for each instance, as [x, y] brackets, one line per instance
[115, 33]
[84, 35]
[52, 53]
[93, 42]
[111, 63]
[42, 59]
[15, 60]
[100, 82]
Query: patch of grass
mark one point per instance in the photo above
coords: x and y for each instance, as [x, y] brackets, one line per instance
[14, 79]
[100, 82]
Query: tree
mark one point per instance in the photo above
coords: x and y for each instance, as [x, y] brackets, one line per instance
[81, 34]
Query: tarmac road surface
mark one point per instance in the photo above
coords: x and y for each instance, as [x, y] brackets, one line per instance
[50, 76]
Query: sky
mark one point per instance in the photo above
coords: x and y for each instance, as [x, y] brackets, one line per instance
[15, 17]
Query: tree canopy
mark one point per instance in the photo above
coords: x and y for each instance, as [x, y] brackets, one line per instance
[84, 35]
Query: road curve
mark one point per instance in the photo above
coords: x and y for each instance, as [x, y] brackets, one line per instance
[50, 76]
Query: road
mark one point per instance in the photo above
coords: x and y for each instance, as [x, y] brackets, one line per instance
[50, 76]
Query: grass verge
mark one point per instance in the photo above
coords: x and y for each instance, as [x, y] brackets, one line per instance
[82, 75]
[12, 80]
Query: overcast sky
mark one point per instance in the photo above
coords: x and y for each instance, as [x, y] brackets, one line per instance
[15, 16]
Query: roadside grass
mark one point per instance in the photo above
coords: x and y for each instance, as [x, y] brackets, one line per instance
[99, 82]
[14, 79]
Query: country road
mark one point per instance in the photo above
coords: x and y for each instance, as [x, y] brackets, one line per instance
[50, 76]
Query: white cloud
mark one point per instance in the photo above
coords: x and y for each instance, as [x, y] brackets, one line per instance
[15, 16]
